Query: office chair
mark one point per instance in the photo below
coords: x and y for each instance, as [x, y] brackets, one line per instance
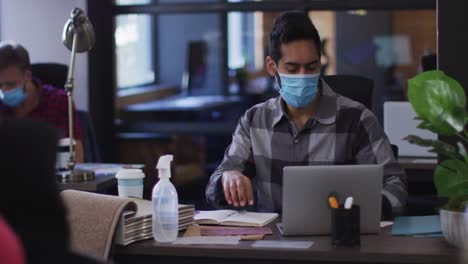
[357, 88]
[429, 62]
[55, 74]
[395, 151]
[90, 146]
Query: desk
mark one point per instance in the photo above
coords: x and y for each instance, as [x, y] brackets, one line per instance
[104, 177]
[180, 108]
[382, 248]
[100, 184]
[417, 163]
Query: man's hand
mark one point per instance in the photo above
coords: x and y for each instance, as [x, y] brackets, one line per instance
[237, 188]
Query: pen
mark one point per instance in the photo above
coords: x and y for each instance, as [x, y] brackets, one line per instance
[333, 202]
[349, 202]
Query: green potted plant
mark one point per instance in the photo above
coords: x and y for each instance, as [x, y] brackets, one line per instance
[242, 76]
[440, 103]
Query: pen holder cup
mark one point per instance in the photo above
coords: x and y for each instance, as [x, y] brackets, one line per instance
[345, 228]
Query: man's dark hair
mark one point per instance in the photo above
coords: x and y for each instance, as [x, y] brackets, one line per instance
[13, 54]
[290, 26]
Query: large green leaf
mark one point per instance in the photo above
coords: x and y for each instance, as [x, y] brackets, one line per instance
[427, 125]
[438, 146]
[440, 100]
[462, 151]
[451, 178]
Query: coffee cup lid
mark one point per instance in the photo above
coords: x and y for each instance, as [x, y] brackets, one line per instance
[129, 174]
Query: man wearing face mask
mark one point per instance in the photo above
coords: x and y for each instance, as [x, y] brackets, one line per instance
[23, 96]
[308, 124]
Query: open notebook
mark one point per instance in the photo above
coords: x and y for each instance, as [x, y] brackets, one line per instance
[234, 218]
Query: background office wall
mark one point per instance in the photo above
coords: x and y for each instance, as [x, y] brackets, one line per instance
[38, 25]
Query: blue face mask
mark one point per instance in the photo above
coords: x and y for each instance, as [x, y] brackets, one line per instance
[14, 97]
[298, 90]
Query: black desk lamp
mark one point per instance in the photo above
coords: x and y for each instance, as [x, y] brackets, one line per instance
[78, 36]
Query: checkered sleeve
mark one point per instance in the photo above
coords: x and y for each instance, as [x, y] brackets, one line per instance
[238, 156]
[374, 147]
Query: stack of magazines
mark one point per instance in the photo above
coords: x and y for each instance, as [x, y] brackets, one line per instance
[137, 225]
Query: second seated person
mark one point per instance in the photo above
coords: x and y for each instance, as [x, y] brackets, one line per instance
[23, 96]
[308, 124]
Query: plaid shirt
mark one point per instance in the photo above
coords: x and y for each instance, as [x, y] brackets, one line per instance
[341, 131]
[52, 109]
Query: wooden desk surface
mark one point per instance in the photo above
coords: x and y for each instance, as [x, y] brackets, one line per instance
[99, 184]
[104, 177]
[417, 163]
[382, 248]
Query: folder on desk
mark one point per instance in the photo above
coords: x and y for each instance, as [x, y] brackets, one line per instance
[417, 226]
[138, 225]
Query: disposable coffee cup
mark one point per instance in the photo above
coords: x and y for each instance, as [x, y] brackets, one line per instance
[63, 154]
[130, 182]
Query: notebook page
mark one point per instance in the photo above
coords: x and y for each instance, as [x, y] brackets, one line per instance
[216, 215]
[250, 219]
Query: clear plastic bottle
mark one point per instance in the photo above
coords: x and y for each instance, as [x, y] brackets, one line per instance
[165, 204]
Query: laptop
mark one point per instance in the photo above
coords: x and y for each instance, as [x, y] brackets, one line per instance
[399, 122]
[306, 190]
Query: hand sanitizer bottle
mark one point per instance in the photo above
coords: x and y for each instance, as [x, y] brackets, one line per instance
[165, 204]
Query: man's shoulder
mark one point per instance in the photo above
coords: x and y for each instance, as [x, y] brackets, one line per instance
[53, 93]
[349, 108]
[263, 109]
[354, 114]
[343, 102]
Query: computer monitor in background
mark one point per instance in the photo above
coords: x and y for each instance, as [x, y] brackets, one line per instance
[195, 76]
[399, 122]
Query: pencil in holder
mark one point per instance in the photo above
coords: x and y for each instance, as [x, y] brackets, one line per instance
[345, 226]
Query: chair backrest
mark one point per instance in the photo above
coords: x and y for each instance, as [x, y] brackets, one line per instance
[429, 62]
[357, 88]
[90, 146]
[395, 150]
[54, 74]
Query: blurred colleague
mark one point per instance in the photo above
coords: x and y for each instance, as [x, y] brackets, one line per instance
[23, 96]
[308, 124]
[29, 195]
[11, 250]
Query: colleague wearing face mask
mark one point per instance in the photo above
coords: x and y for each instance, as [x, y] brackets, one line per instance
[308, 124]
[23, 96]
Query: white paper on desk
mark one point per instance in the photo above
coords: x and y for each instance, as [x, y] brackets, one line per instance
[207, 240]
[282, 244]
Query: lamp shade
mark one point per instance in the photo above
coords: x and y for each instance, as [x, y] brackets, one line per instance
[80, 24]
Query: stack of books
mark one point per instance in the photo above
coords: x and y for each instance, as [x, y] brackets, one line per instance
[234, 218]
[138, 225]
